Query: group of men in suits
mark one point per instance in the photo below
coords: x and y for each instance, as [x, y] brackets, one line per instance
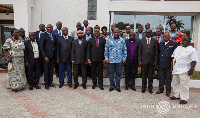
[86, 47]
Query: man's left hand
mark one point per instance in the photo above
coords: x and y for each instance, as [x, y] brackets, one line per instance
[124, 61]
[190, 72]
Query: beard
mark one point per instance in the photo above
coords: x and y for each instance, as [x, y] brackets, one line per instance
[80, 37]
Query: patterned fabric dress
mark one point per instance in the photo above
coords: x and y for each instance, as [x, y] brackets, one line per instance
[16, 75]
[177, 36]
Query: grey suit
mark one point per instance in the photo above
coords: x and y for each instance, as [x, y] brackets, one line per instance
[64, 46]
[137, 36]
[74, 34]
[148, 55]
[78, 55]
[161, 40]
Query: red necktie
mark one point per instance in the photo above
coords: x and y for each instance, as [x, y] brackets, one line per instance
[97, 42]
[86, 30]
[158, 39]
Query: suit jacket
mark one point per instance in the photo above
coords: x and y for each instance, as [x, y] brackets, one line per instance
[55, 32]
[148, 55]
[63, 51]
[37, 33]
[165, 52]
[161, 38]
[96, 53]
[135, 52]
[137, 36]
[28, 53]
[79, 52]
[47, 46]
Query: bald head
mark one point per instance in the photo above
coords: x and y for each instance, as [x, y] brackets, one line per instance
[148, 33]
[42, 27]
[59, 25]
[49, 28]
[65, 31]
[166, 36]
[116, 33]
[32, 36]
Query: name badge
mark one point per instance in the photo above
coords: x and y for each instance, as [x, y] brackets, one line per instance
[170, 46]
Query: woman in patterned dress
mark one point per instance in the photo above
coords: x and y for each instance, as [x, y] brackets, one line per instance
[176, 36]
[14, 49]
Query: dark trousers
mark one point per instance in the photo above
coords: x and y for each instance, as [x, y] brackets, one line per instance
[165, 78]
[89, 72]
[57, 69]
[33, 72]
[48, 71]
[65, 66]
[147, 71]
[83, 68]
[94, 66]
[130, 73]
[115, 68]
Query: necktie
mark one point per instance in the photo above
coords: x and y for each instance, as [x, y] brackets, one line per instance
[50, 37]
[86, 30]
[97, 42]
[158, 40]
[148, 43]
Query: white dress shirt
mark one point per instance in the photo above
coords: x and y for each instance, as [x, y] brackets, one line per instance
[35, 49]
[183, 56]
[149, 40]
[59, 31]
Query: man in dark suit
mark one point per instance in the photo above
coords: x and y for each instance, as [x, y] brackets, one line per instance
[88, 35]
[84, 28]
[166, 49]
[159, 38]
[96, 47]
[63, 57]
[131, 62]
[48, 49]
[148, 58]
[32, 61]
[57, 32]
[78, 58]
[140, 34]
[38, 35]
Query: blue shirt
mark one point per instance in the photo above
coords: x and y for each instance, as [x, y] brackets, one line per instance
[140, 36]
[115, 50]
[87, 37]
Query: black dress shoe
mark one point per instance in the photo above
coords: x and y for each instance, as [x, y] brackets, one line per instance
[183, 102]
[37, 87]
[31, 87]
[150, 91]
[111, 89]
[84, 86]
[101, 87]
[126, 87]
[61, 85]
[143, 90]
[118, 89]
[133, 88]
[47, 87]
[173, 98]
[75, 86]
[51, 85]
[70, 85]
[93, 87]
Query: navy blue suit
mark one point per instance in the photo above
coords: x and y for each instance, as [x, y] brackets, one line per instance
[55, 32]
[164, 63]
[48, 49]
